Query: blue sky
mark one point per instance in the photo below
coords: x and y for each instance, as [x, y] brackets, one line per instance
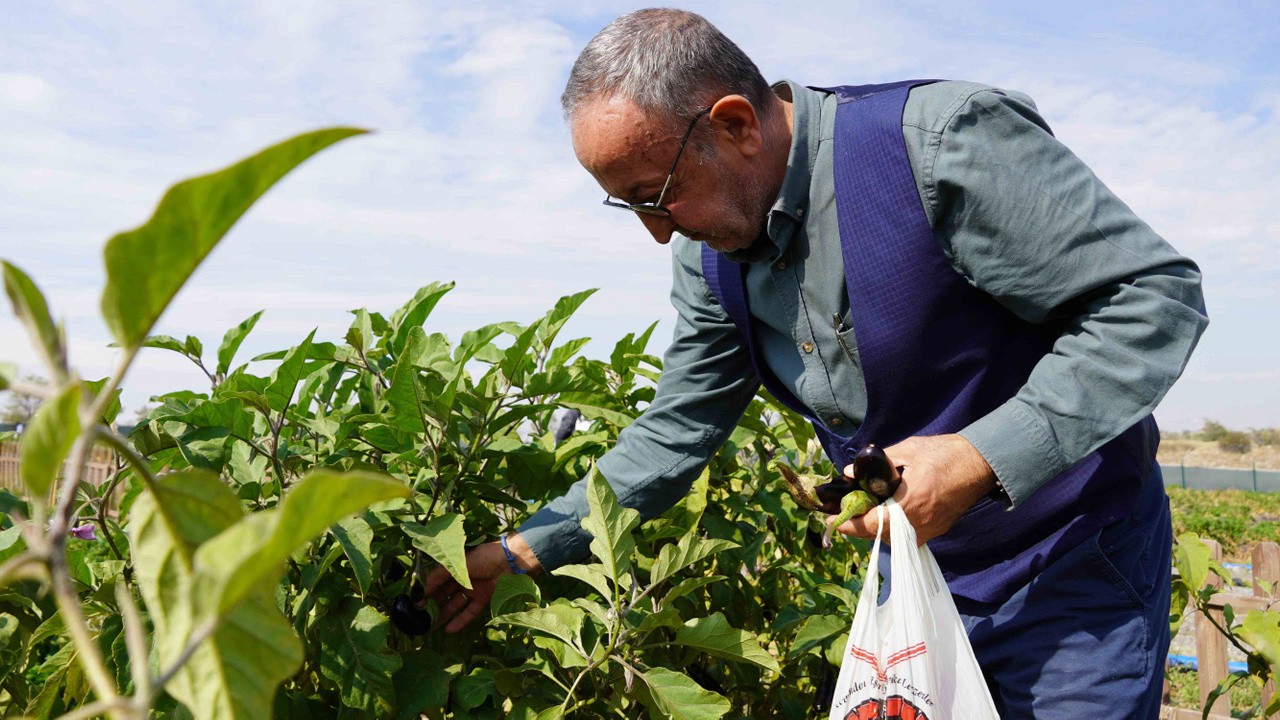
[470, 176]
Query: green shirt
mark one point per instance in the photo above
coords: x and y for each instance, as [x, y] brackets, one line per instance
[1017, 214]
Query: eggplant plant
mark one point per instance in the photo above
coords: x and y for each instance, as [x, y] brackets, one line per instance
[266, 554]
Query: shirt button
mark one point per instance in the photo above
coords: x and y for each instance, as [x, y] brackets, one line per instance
[837, 421]
[807, 347]
[781, 265]
[800, 211]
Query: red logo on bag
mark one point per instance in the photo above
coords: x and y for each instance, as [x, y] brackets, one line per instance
[882, 673]
[892, 708]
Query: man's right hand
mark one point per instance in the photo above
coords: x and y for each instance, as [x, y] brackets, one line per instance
[485, 564]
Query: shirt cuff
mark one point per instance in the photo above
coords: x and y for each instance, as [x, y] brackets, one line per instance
[555, 538]
[1019, 447]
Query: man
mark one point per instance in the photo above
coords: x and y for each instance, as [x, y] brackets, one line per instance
[919, 265]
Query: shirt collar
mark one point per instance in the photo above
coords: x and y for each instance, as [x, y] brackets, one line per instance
[788, 211]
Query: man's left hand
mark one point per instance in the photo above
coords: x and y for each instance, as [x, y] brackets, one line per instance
[942, 477]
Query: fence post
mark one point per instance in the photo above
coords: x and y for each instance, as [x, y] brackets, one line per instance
[1255, 476]
[1182, 464]
[1211, 645]
[1266, 567]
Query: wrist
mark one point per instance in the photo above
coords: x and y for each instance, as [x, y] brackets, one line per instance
[521, 554]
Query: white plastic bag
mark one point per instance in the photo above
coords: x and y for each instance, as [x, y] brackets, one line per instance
[908, 659]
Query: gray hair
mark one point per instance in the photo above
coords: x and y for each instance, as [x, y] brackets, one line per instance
[669, 62]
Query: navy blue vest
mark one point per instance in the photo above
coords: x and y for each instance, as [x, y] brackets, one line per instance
[937, 354]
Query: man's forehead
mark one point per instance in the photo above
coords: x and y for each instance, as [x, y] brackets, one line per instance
[613, 136]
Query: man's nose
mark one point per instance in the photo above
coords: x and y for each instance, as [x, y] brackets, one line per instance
[659, 227]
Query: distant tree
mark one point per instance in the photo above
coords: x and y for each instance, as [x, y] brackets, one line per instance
[1235, 442]
[21, 407]
[1267, 436]
[1212, 431]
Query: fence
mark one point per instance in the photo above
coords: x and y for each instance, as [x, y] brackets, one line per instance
[1202, 478]
[1211, 645]
[101, 465]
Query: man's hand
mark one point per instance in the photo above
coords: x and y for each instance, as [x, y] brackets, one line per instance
[485, 564]
[942, 477]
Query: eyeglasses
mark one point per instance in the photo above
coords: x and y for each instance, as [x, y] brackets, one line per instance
[655, 207]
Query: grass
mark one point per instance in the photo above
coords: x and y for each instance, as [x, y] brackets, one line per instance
[1235, 518]
[1184, 692]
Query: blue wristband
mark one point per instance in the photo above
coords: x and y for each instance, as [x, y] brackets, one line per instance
[511, 559]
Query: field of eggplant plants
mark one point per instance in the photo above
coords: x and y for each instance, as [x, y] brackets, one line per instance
[267, 554]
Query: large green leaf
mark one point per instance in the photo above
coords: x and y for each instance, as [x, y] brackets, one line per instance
[559, 621]
[555, 319]
[30, 307]
[716, 636]
[48, 439]
[354, 656]
[416, 312]
[232, 675]
[404, 397]
[816, 629]
[253, 550]
[680, 698]
[8, 373]
[513, 591]
[421, 682]
[593, 574]
[356, 538]
[147, 266]
[285, 379]
[231, 342]
[610, 526]
[1192, 560]
[1262, 631]
[689, 550]
[445, 541]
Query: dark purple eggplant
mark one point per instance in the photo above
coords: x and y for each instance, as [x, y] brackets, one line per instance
[409, 618]
[826, 692]
[813, 537]
[872, 470]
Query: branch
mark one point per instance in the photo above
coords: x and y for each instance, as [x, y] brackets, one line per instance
[135, 643]
[84, 712]
[125, 450]
[22, 387]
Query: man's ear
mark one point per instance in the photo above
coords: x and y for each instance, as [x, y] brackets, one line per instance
[739, 125]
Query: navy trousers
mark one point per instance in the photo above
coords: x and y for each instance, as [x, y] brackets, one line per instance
[1088, 637]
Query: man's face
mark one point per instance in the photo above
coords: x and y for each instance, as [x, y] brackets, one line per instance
[717, 200]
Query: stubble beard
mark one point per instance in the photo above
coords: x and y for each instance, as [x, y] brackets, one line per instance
[749, 203]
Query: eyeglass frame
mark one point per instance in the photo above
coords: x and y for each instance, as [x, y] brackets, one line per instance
[655, 208]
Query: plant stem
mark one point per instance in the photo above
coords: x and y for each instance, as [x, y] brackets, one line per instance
[201, 634]
[125, 450]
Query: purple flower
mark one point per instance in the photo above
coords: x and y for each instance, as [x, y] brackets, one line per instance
[84, 532]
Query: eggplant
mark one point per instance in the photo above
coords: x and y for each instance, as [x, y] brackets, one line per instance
[826, 692]
[408, 617]
[873, 471]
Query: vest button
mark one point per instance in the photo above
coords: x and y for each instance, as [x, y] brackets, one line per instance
[837, 421]
[807, 347]
[800, 211]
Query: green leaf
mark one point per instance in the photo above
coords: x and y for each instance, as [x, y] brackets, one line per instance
[690, 549]
[598, 406]
[1178, 606]
[610, 526]
[471, 690]
[558, 621]
[112, 408]
[360, 334]
[254, 549]
[8, 373]
[29, 305]
[421, 682]
[233, 675]
[405, 394]
[354, 655]
[445, 541]
[163, 342]
[356, 538]
[147, 266]
[416, 312]
[1262, 631]
[194, 347]
[48, 439]
[690, 585]
[716, 636]
[1192, 560]
[1223, 688]
[231, 342]
[594, 575]
[846, 598]
[555, 319]
[561, 355]
[512, 588]
[679, 697]
[816, 629]
[285, 379]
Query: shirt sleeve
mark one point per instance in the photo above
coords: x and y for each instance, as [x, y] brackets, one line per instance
[1026, 221]
[706, 384]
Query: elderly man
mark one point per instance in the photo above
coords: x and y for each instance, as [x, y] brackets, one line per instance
[919, 265]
